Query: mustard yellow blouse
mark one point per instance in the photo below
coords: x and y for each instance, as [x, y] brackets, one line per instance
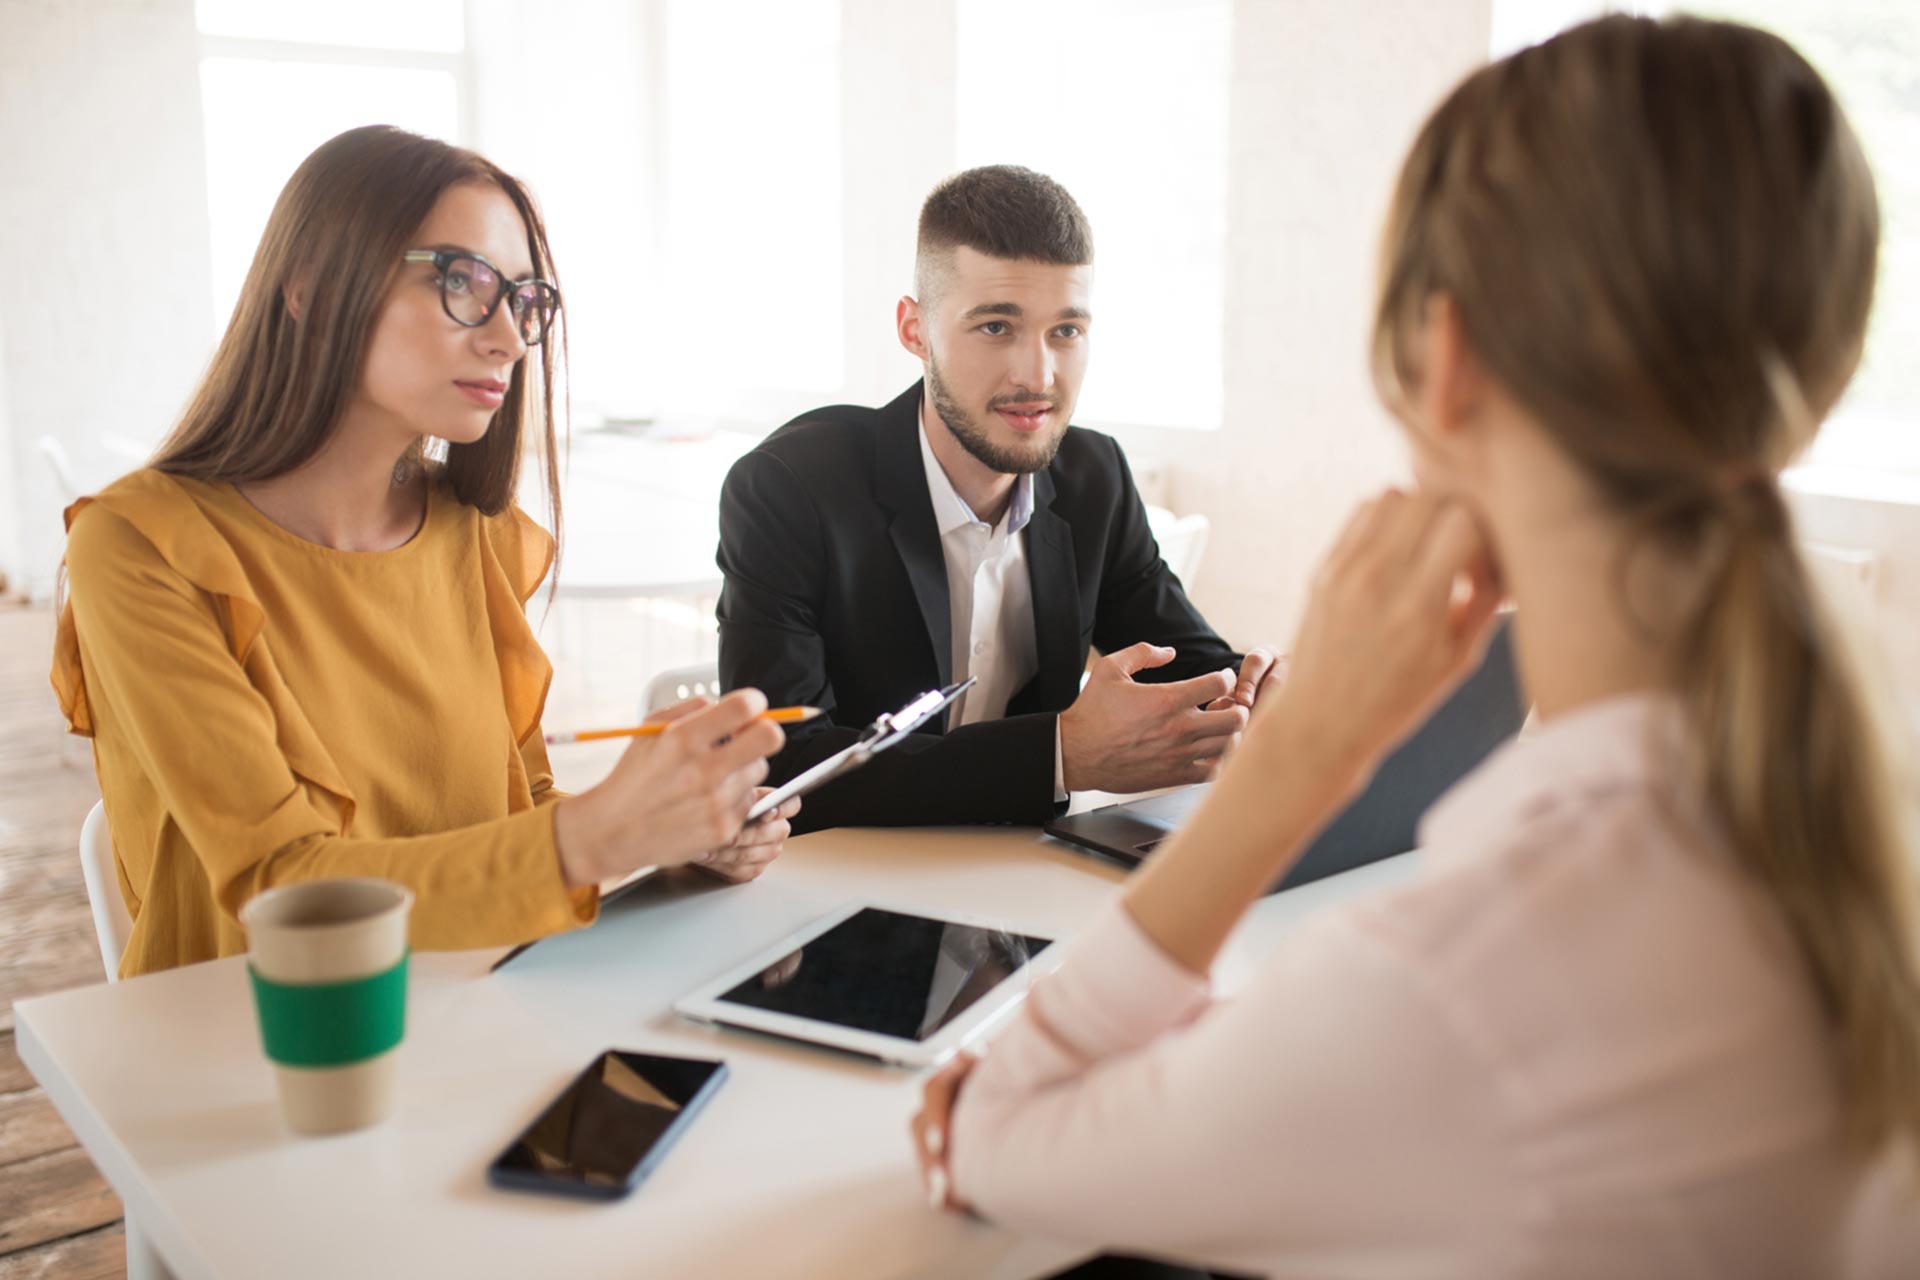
[264, 709]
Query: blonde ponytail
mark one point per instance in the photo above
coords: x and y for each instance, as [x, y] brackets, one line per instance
[1783, 742]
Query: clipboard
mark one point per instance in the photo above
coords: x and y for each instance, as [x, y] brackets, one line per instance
[875, 738]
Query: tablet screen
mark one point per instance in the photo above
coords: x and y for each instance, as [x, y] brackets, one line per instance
[888, 973]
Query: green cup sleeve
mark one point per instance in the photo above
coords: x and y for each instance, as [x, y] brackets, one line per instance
[331, 1024]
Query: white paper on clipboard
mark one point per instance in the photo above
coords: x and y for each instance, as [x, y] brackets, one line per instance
[877, 737]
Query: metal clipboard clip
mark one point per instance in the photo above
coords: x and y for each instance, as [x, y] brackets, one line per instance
[884, 732]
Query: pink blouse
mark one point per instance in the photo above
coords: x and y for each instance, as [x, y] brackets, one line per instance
[1581, 1044]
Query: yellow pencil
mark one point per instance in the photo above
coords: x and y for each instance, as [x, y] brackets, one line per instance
[779, 715]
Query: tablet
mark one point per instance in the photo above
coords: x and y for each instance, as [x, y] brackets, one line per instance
[884, 983]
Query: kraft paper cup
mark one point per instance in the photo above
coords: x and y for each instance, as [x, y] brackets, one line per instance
[327, 960]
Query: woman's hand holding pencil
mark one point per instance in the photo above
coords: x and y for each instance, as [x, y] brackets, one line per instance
[679, 794]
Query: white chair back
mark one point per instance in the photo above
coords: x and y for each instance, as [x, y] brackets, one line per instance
[679, 684]
[111, 923]
[62, 467]
[1182, 539]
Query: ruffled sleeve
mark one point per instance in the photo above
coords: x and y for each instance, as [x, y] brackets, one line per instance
[166, 518]
[519, 554]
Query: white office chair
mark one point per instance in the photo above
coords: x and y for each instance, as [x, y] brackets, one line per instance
[61, 465]
[679, 684]
[1182, 539]
[112, 926]
[111, 923]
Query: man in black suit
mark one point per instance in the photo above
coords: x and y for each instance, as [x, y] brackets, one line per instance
[966, 530]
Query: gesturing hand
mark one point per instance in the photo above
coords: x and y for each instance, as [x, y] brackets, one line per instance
[1120, 735]
[1261, 672]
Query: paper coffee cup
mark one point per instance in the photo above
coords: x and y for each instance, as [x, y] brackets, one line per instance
[328, 967]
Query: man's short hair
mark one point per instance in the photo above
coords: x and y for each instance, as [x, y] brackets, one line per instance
[1003, 211]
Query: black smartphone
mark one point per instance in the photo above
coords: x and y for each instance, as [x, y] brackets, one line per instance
[604, 1134]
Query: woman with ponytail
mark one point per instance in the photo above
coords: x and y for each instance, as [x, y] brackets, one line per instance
[1651, 1009]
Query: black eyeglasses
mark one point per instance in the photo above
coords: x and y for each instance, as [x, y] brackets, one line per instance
[471, 289]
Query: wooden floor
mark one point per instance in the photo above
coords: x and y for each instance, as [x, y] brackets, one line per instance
[57, 1217]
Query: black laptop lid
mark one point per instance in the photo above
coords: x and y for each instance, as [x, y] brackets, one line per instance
[1485, 711]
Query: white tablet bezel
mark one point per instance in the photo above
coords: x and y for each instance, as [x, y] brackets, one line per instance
[705, 1005]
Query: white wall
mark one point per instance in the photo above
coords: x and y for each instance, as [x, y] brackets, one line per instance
[1327, 96]
[897, 101]
[1875, 539]
[10, 557]
[103, 245]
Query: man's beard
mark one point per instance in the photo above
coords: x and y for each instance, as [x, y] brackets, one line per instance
[1011, 460]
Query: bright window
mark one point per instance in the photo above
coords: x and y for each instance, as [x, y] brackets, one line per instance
[752, 319]
[435, 25]
[278, 80]
[1869, 52]
[1134, 124]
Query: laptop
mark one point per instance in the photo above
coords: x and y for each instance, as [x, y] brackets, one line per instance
[1486, 710]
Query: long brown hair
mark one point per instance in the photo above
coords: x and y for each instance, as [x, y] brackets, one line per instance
[1661, 238]
[276, 388]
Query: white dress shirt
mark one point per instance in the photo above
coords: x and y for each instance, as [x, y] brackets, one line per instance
[989, 599]
[1584, 1044]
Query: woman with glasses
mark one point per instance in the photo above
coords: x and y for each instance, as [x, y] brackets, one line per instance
[300, 644]
[1651, 1007]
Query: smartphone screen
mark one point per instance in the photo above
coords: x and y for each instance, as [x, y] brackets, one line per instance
[605, 1133]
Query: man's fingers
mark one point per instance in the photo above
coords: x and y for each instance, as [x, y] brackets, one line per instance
[1200, 770]
[1138, 657]
[1252, 672]
[1200, 690]
[1276, 677]
[1202, 726]
[1211, 748]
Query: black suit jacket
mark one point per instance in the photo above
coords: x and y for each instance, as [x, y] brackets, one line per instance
[835, 595]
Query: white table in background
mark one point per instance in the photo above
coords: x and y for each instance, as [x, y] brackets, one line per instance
[800, 1167]
[642, 515]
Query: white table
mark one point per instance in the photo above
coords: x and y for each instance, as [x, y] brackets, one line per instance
[642, 515]
[800, 1167]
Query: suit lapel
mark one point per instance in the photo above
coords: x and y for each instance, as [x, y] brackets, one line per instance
[1056, 599]
[902, 477]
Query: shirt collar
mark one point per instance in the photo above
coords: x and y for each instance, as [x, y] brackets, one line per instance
[950, 510]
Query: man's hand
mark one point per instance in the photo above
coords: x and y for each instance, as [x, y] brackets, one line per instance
[1123, 736]
[1261, 673]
